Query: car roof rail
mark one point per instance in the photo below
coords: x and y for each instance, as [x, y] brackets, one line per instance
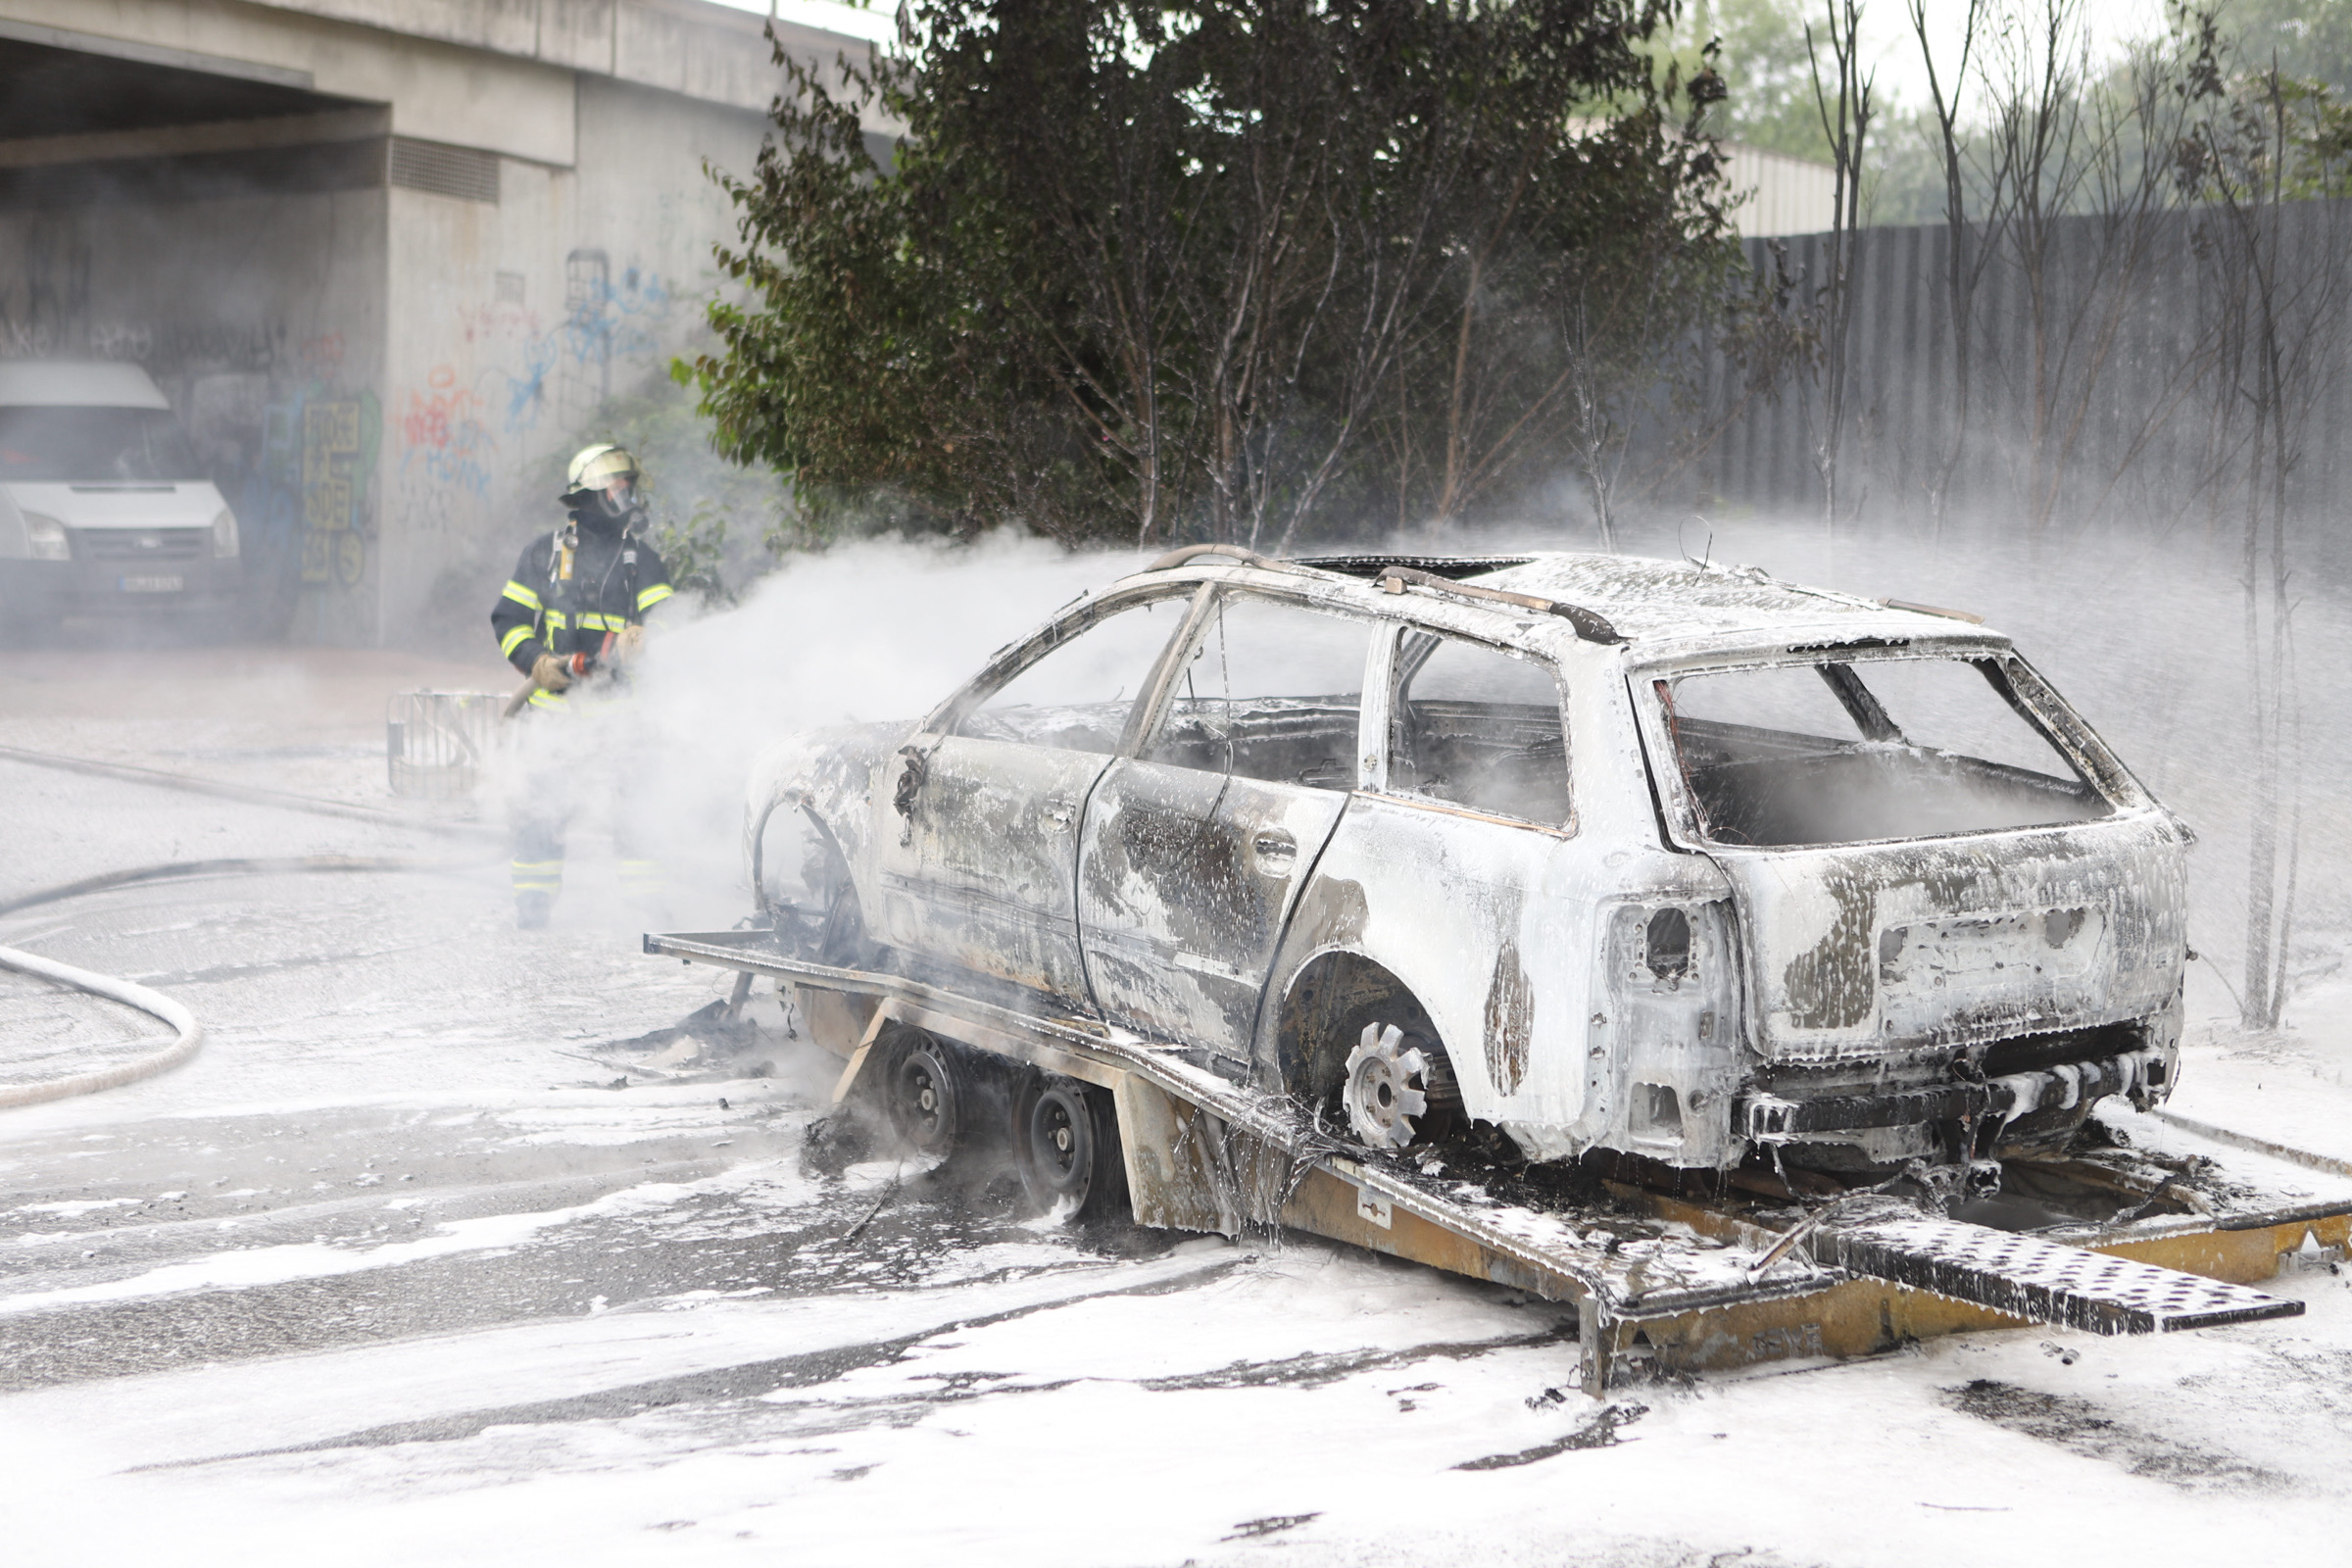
[1590, 626]
[1452, 568]
[1185, 554]
[1394, 577]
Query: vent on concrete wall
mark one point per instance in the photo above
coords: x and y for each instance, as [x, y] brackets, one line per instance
[465, 173]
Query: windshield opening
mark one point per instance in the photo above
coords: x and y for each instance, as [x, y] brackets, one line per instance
[1850, 752]
[70, 445]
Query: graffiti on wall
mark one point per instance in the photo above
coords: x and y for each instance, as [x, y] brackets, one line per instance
[443, 436]
[339, 438]
[307, 484]
[45, 296]
[519, 384]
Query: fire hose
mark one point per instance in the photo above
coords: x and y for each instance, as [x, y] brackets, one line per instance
[190, 1034]
[576, 666]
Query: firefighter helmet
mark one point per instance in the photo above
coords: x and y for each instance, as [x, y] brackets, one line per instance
[594, 468]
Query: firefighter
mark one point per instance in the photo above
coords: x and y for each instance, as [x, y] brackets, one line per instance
[572, 616]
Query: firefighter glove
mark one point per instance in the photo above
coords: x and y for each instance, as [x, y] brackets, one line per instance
[548, 673]
[628, 642]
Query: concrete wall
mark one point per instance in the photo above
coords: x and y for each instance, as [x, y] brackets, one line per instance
[390, 296]
[263, 319]
[511, 323]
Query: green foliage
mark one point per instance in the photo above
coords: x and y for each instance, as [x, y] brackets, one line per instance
[695, 550]
[2310, 41]
[1226, 269]
[2259, 133]
[1767, 73]
[717, 523]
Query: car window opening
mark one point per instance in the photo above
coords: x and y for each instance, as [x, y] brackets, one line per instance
[1270, 691]
[1077, 695]
[1475, 727]
[1846, 752]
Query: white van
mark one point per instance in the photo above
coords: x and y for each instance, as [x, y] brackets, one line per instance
[103, 505]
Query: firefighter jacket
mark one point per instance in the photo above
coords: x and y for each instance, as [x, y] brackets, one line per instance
[572, 587]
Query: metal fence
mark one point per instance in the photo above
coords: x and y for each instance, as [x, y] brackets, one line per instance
[2110, 372]
[437, 744]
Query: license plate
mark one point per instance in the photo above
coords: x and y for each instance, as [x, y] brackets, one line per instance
[153, 585]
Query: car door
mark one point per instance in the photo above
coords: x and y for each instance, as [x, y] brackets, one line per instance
[1474, 881]
[1195, 847]
[977, 833]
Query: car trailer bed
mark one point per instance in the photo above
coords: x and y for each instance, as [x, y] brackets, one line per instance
[1660, 1282]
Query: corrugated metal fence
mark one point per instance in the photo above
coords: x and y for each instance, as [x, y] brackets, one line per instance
[2112, 371]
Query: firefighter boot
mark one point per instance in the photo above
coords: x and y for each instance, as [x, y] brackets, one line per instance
[536, 883]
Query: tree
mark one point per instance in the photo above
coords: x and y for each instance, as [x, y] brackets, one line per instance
[1845, 111]
[1767, 71]
[1216, 269]
[2276, 269]
[2077, 177]
[2302, 41]
[2061, 231]
[1965, 254]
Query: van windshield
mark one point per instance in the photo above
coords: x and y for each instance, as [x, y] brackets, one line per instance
[1849, 752]
[68, 445]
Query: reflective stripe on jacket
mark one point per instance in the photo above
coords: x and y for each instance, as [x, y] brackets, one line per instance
[565, 603]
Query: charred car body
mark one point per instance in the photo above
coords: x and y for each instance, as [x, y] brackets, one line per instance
[1571, 856]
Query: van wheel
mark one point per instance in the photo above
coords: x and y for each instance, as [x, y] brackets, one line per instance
[1065, 1143]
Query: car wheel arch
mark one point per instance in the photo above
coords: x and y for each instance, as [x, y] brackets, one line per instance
[1325, 997]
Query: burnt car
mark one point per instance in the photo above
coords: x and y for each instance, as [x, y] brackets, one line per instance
[1570, 857]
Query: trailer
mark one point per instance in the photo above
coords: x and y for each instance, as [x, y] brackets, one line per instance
[1668, 1275]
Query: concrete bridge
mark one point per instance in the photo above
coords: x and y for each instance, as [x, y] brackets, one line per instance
[389, 258]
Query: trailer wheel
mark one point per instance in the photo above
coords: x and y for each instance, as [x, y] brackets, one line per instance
[927, 1094]
[1065, 1142]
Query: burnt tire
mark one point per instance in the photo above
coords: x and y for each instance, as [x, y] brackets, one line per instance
[927, 1095]
[1066, 1145]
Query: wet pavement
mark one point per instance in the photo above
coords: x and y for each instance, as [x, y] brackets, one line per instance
[420, 1259]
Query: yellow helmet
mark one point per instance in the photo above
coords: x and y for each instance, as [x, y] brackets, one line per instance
[594, 468]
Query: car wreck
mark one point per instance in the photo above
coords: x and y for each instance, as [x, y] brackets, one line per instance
[1583, 857]
[1741, 962]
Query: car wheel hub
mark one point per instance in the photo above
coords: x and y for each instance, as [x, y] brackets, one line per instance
[1385, 1087]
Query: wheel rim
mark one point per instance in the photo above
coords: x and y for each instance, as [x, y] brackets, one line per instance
[1061, 1141]
[1382, 1092]
[924, 1100]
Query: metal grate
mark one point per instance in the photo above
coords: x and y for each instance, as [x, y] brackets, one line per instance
[2044, 1281]
[142, 544]
[465, 173]
[436, 744]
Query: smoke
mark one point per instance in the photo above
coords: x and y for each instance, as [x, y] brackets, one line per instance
[878, 630]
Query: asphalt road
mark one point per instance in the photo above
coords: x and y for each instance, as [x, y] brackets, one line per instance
[418, 1262]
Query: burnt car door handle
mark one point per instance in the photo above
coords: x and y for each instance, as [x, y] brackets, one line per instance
[910, 782]
[1276, 851]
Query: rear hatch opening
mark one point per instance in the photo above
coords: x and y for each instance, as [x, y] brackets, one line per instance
[1963, 922]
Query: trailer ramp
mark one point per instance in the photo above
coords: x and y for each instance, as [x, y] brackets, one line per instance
[1665, 1281]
